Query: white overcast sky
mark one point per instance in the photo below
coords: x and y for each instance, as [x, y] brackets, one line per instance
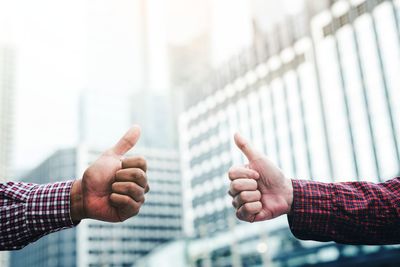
[64, 46]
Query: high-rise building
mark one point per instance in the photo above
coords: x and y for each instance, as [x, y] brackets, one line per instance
[358, 57]
[321, 106]
[95, 243]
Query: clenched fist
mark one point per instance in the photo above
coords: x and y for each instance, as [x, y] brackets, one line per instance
[112, 188]
[259, 189]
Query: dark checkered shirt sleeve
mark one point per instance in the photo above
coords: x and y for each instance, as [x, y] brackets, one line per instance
[350, 213]
[30, 211]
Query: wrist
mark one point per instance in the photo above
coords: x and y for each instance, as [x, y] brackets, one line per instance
[77, 208]
[290, 195]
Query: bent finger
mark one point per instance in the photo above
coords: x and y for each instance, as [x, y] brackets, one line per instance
[237, 172]
[248, 211]
[129, 189]
[135, 175]
[240, 185]
[134, 162]
[245, 197]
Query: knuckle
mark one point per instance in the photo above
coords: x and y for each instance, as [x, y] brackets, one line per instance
[239, 215]
[246, 207]
[230, 191]
[132, 188]
[234, 203]
[230, 188]
[139, 192]
[135, 210]
[243, 196]
[142, 162]
[126, 201]
[231, 171]
[236, 186]
[141, 173]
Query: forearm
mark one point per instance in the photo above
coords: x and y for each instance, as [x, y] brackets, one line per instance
[29, 211]
[352, 213]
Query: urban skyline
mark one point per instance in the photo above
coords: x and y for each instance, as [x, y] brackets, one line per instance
[317, 92]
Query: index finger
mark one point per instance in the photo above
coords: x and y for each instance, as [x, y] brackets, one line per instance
[242, 172]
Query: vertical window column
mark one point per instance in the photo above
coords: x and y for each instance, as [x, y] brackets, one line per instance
[282, 127]
[297, 125]
[359, 114]
[233, 128]
[313, 120]
[255, 120]
[389, 43]
[271, 148]
[375, 87]
[336, 116]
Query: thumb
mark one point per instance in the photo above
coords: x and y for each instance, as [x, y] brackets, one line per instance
[128, 141]
[246, 148]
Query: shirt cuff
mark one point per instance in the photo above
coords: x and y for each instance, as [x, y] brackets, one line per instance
[312, 209]
[48, 208]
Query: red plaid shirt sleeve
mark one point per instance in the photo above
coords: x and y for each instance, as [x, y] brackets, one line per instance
[351, 212]
[30, 211]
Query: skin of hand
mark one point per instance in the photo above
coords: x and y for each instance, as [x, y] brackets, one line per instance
[113, 187]
[259, 189]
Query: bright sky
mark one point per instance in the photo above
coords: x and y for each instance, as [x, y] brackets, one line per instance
[49, 72]
[64, 46]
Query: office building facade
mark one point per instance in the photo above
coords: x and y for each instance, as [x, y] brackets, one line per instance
[322, 107]
[95, 243]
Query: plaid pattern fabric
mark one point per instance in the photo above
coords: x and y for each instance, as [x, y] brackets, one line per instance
[350, 213]
[30, 211]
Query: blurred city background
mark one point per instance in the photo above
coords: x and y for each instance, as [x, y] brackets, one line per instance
[314, 84]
